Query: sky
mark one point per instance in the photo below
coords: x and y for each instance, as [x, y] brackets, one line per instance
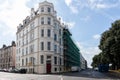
[87, 20]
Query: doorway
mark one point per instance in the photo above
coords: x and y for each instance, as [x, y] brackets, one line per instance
[48, 66]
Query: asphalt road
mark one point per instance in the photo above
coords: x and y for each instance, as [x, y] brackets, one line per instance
[82, 75]
[92, 74]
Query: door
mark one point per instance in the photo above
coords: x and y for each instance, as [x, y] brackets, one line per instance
[48, 66]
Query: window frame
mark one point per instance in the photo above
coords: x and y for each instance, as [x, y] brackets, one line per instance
[42, 46]
[42, 59]
[48, 32]
[49, 46]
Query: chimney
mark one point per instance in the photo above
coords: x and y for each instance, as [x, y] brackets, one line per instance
[13, 43]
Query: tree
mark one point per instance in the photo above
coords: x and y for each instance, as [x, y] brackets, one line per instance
[110, 45]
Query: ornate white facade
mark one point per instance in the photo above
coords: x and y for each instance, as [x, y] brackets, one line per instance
[39, 41]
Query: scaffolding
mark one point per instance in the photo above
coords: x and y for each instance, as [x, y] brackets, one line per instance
[71, 51]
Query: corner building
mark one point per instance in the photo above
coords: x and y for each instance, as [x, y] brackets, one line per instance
[39, 41]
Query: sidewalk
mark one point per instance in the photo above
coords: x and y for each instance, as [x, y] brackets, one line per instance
[114, 73]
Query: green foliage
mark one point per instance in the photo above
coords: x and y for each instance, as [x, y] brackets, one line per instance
[110, 46]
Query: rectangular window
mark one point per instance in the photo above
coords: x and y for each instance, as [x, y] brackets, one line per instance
[55, 60]
[32, 26]
[42, 59]
[55, 37]
[55, 69]
[60, 32]
[49, 33]
[26, 61]
[27, 39]
[30, 59]
[42, 33]
[49, 20]
[22, 62]
[42, 45]
[60, 50]
[22, 41]
[26, 50]
[55, 48]
[49, 45]
[32, 36]
[23, 33]
[19, 50]
[22, 52]
[42, 20]
[60, 61]
[48, 57]
[49, 9]
[19, 43]
[17, 36]
[42, 9]
[33, 61]
[60, 41]
[31, 48]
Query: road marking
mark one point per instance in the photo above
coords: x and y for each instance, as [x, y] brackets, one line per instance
[61, 77]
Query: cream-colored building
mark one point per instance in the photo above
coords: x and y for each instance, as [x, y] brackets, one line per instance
[7, 56]
[83, 64]
[39, 41]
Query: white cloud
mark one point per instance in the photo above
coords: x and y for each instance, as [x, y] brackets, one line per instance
[70, 24]
[74, 9]
[88, 51]
[85, 19]
[76, 5]
[68, 2]
[97, 36]
[102, 4]
[12, 13]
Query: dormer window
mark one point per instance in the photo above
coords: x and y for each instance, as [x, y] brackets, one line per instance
[49, 9]
[42, 9]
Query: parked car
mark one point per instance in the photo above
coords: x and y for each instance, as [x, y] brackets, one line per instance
[96, 68]
[14, 71]
[5, 70]
[22, 70]
[75, 69]
[1, 70]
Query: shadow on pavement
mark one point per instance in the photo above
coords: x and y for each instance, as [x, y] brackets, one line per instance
[89, 73]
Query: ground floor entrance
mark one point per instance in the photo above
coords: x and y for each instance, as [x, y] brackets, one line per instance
[48, 66]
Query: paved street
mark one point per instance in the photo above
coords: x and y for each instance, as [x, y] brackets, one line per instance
[83, 75]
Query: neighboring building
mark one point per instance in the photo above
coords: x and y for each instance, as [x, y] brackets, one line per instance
[86, 64]
[39, 41]
[7, 56]
[83, 62]
[71, 51]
